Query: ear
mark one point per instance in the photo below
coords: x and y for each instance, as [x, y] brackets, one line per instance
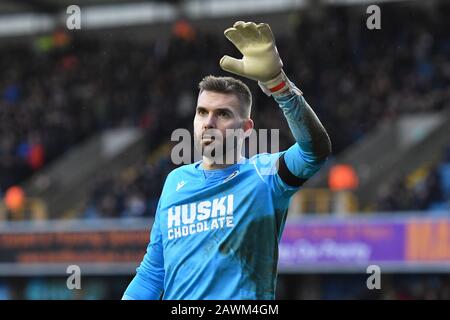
[248, 127]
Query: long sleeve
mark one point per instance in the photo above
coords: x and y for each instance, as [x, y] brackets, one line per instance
[312, 142]
[148, 283]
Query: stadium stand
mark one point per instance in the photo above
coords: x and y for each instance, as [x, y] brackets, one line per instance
[73, 87]
[61, 90]
[426, 188]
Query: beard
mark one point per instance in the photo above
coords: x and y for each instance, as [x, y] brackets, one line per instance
[220, 152]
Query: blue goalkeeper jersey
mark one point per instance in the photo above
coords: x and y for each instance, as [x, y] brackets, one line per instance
[216, 232]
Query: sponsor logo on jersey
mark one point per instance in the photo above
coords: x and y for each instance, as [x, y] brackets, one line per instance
[199, 217]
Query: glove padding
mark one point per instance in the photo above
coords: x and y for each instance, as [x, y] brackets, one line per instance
[260, 61]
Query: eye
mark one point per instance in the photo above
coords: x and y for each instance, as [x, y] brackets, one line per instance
[201, 112]
[224, 114]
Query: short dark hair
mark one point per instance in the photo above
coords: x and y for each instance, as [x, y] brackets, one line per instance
[229, 85]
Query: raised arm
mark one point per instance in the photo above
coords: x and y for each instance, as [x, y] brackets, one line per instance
[261, 62]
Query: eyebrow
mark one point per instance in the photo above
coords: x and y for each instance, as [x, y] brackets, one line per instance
[223, 109]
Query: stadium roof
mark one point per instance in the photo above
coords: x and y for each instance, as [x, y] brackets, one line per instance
[28, 17]
[54, 6]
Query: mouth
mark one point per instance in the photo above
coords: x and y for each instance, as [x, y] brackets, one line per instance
[206, 143]
[208, 139]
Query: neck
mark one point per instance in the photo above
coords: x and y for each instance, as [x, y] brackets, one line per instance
[209, 164]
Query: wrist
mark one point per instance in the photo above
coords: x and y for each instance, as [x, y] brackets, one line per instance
[278, 86]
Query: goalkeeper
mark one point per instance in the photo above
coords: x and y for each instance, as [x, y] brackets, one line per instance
[218, 225]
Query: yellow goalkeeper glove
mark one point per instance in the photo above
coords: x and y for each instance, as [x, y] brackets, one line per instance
[260, 61]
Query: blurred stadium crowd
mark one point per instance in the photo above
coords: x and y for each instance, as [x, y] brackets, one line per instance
[65, 88]
[59, 90]
[304, 287]
[394, 287]
[426, 188]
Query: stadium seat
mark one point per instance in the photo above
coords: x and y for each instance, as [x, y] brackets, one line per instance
[444, 171]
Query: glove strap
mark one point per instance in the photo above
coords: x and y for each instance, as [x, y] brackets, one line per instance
[279, 86]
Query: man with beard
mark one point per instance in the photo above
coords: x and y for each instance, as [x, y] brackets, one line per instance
[219, 220]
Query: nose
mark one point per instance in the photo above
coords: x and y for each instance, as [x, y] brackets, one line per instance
[210, 122]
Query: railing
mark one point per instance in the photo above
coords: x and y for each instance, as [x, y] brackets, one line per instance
[33, 209]
[407, 242]
[323, 201]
